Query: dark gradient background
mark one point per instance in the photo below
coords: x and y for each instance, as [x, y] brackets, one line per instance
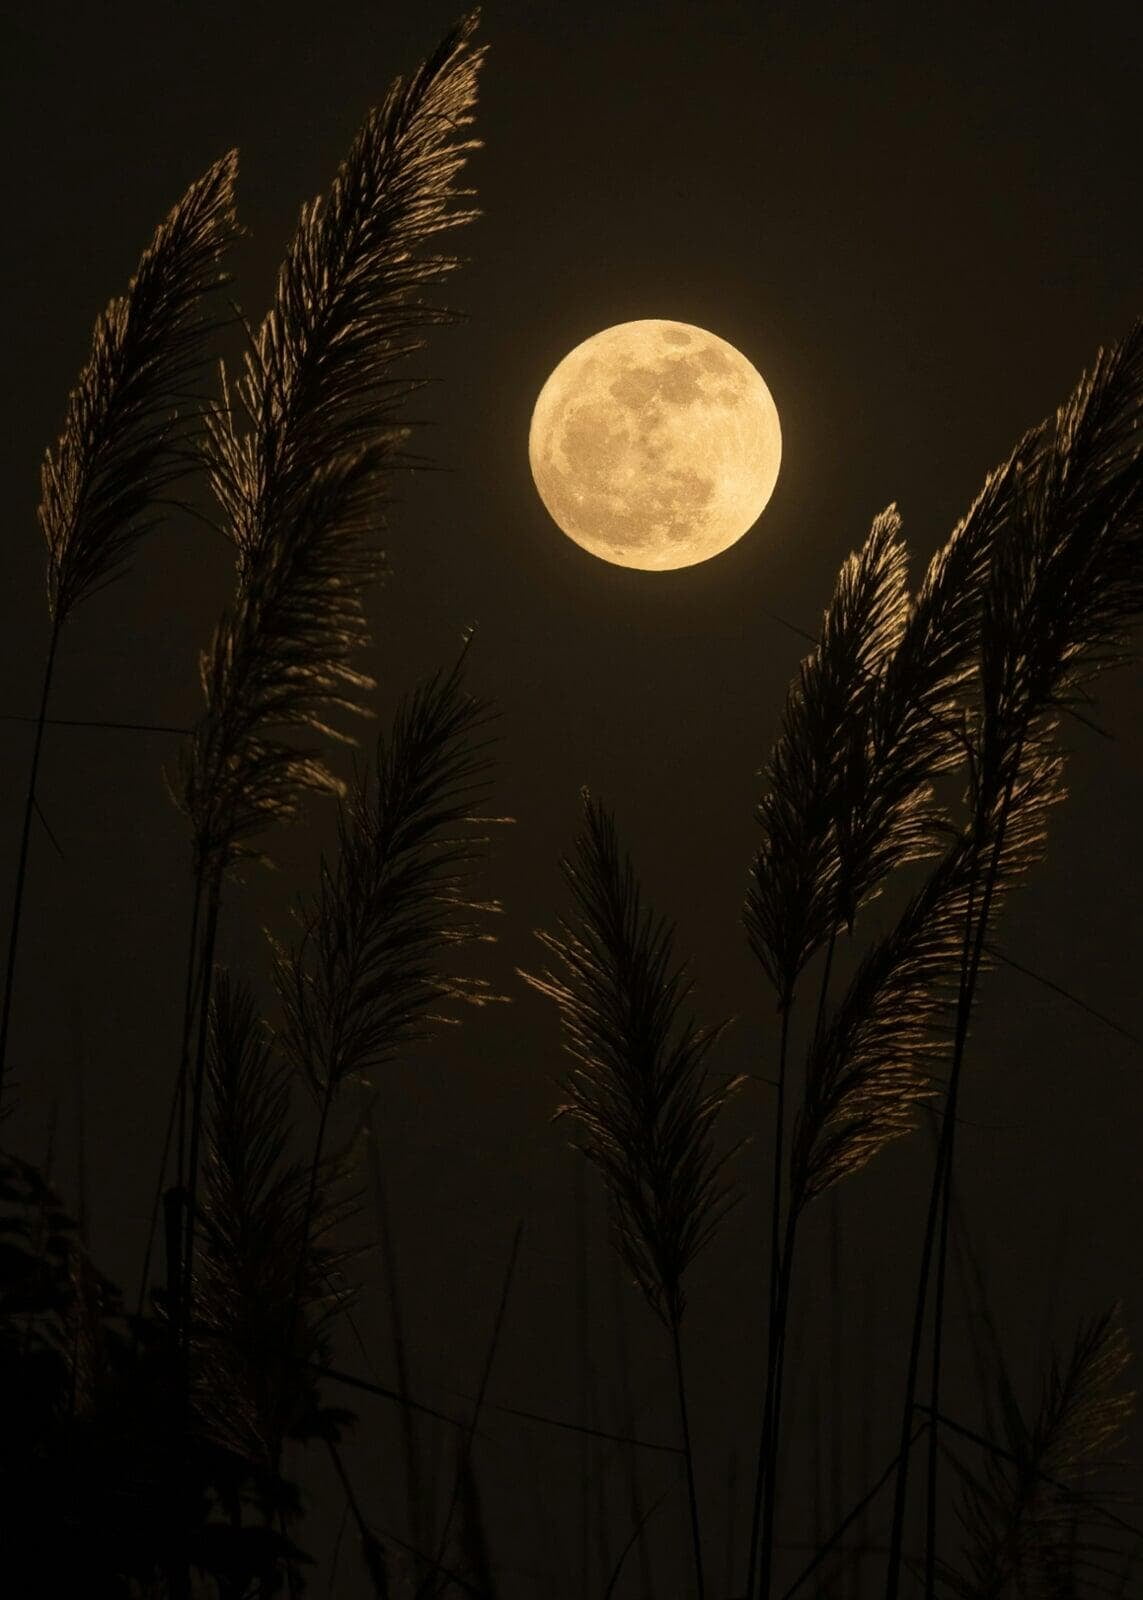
[919, 223]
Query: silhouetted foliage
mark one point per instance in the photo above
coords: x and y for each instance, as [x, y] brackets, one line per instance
[143, 1455]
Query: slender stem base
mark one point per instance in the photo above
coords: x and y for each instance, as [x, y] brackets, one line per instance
[696, 1538]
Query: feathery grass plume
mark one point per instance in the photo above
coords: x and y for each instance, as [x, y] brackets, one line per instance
[1021, 1513]
[128, 431]
[252, 1384]
[869, 1068]
[831, 824]
[914, 709]
[368, 973]
[934, 666]
[1065, 579]
[819, 762]
[279, 659]
[318, 379]
[638, 1091]
[300, 481]
[1067, 582]
[127, 437]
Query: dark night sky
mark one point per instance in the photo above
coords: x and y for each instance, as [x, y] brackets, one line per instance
[919, 223]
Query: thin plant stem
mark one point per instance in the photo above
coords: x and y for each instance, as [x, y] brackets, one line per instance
[465, 1443]
[775, 1253]
[779, 1273]
[307, 1216]
[190, 1180]
[836, 1475]
[684, 1420]
[180, 1575]
[638, 1533]
[178, 1106]
[626, 1422]
[583, 1327]
[861, 1506]
[22, 862]
[976, 926]
[945, 1176]
[823, 991]
[299, 1269]
[935, 1384]
[901, 1459]
[772, 1426]
[417, 1509]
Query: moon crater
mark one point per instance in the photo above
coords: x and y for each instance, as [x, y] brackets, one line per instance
[655, 444]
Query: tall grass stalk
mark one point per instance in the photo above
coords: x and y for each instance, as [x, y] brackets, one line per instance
[638, 1091]
[1064, 582]
[298, 451]
[824, 845]
[128, 431]
[364, 977]
[368, 973]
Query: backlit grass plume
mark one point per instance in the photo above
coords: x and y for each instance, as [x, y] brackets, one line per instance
[1067, 583]
[131, 418]
[638, 1091]
[128, 435]
[300, 444]
[373, 966]
[371, 969]
[1029, 1526]
[803, 878]
[1064, 585]
[848, 800]
[873, 1061]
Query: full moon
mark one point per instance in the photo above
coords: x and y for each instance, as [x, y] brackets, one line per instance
[655, 444]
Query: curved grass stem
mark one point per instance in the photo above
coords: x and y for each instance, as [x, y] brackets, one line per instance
[22, 861]
[772, 1422]
[775, 1267]
[976, 928]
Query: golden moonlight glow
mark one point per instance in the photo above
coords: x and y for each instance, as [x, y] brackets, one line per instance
[655, 444]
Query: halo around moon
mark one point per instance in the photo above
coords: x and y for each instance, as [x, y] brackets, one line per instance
[655, 444]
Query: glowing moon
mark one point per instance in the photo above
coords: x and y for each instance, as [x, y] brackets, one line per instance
[655, 444]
